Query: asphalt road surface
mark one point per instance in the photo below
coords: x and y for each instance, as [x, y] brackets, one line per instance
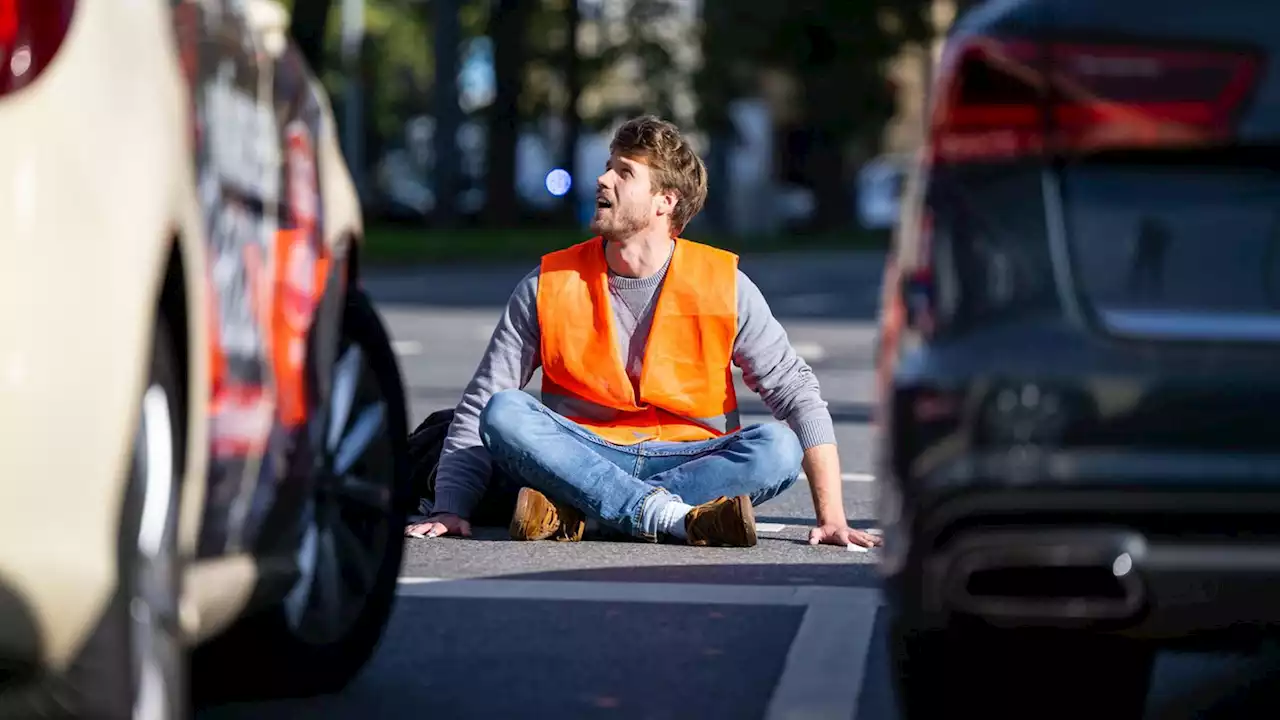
[487, 628]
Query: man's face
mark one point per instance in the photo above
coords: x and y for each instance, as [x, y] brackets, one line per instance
[625, 200]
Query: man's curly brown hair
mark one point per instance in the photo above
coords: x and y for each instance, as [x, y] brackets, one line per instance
[672, 161]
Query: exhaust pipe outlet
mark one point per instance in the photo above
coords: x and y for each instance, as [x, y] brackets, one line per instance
[1041, 577]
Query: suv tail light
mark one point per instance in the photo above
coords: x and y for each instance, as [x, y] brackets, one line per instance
[1002, 99]
[31, 32]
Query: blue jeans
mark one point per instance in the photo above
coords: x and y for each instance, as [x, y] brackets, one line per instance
[611, 483]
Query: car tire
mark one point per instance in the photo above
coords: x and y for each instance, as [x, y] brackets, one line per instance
[1017, 673]
[293, 649]
[133, 664]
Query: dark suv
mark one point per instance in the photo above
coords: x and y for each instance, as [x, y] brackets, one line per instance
[1079, 374]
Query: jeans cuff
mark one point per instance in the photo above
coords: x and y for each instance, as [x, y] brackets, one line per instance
[637, 520]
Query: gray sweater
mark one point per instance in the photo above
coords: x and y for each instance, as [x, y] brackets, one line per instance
[770, 368]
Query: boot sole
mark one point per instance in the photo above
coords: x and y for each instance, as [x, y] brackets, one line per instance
[748, 518]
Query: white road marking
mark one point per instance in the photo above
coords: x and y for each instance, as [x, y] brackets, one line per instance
[823, 674]
[770, 527]
[810, 352]
[407, 347]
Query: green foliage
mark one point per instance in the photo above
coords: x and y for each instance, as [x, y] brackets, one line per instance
[837, 52]
[644, 48]
[401, 41]
[645, 44]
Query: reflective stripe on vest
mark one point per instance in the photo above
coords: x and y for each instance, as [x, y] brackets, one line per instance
[686, 389]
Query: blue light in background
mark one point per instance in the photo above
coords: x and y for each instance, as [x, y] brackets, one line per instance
[558, 182]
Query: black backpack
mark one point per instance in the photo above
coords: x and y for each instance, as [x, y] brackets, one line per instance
[425, 445]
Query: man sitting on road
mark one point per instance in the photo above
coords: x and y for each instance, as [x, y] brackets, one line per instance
[638, 424]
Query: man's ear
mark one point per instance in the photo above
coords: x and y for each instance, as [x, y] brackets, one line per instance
[667, 201]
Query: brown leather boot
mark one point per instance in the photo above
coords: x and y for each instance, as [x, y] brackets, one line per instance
[726, 522]
[538, 518]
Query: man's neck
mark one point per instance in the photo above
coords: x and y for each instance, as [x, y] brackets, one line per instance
[638, 256]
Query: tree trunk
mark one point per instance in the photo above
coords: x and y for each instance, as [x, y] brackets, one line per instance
[448, 114]
[719, 181]
[830, 191]
[572, 114]
[715, 92]
[507, 28]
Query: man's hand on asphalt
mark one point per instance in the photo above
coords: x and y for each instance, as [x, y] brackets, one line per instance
[441, 524]
[842, 535]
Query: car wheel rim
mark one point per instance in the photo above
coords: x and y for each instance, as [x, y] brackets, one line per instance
[347, 519]
[153, 603]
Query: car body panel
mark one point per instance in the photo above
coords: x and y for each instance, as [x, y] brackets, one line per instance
[264, 247]
[101, 190]
[281, 229]
[83, 264]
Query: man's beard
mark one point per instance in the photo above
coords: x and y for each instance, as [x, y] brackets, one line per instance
[617, 222]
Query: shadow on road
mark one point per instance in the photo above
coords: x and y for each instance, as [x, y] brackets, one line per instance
[515, 657]
[769, 575]
[498, 656]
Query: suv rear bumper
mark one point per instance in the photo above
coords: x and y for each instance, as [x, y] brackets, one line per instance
[1193, 564]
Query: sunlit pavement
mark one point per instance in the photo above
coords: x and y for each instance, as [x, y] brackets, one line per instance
[488, 628]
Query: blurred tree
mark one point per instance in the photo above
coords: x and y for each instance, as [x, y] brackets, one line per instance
[717, 83]
[591, 63]
[589, 69]
[625, 60]
[636, 68]
[447, 111]
[836, 53]
[626, 65]
[398, 36]
[571, 113]
[508, 26]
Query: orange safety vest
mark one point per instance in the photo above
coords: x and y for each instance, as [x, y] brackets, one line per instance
[686, 387]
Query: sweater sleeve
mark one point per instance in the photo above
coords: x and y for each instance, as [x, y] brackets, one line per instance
[509, 362]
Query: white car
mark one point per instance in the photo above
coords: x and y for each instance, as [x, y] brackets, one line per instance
[202, 423]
